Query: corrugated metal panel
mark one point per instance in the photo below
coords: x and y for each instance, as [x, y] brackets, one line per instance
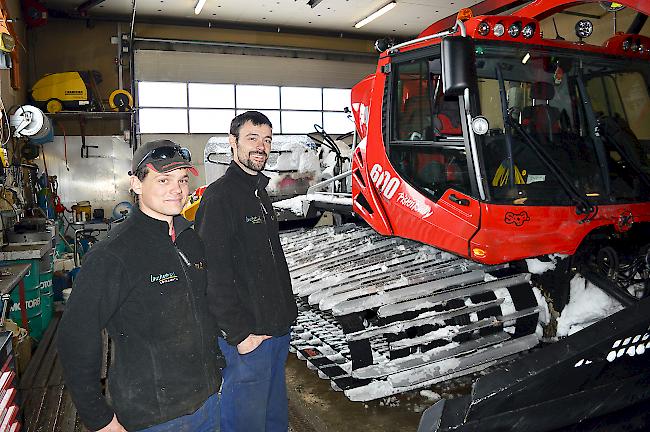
[101, 179]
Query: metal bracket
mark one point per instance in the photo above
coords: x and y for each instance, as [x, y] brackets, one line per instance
[84, 147]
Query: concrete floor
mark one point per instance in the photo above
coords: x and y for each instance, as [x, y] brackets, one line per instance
[315, 407]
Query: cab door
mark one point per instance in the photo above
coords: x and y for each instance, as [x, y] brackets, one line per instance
[421, 170]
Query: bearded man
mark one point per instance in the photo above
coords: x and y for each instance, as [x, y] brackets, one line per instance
[249, 288]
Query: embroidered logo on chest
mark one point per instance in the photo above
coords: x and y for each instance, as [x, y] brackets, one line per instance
[164, 278]
[253, 219]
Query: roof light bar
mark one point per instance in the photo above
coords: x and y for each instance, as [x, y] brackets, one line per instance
[373, 16]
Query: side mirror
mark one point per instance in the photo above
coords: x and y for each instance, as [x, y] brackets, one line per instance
[458, 60]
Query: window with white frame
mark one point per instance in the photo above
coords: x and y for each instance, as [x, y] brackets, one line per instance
[172, 107]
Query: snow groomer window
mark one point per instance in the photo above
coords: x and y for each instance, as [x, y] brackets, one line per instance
[426, 145]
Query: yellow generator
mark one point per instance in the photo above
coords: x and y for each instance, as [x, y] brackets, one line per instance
[67, 90]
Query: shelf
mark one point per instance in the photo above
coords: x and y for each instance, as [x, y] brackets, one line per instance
[91, 115]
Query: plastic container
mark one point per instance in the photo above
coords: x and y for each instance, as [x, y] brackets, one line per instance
[82, 211]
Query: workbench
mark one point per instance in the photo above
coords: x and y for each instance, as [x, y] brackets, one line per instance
[10, 276]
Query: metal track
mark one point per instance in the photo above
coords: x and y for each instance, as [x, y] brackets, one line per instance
[382, 315]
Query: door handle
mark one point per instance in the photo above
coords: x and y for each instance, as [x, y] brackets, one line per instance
[460, 201]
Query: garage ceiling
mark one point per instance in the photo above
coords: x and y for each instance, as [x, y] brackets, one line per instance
[408, 18]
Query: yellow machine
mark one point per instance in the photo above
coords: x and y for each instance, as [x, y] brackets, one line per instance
[67, 90]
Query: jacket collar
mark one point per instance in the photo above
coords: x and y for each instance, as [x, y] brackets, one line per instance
[259, 181]
[159, 227]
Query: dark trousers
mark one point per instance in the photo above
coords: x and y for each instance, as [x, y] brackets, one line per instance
[254, 391]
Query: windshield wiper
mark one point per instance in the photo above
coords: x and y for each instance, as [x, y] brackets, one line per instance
[596, 127]
[583, 206]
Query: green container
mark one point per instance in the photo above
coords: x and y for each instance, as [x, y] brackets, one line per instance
[47, 294]
[32, 300]
[46, 263]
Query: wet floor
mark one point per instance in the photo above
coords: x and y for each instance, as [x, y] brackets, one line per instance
[315, 407]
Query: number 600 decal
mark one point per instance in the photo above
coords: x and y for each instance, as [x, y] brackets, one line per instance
[382, 179]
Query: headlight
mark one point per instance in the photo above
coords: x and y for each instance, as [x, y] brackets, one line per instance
[584, 28]
[514, 29]
[499, 30]
[480, 125]
[483, 28]
[626, 44]
[529, 30]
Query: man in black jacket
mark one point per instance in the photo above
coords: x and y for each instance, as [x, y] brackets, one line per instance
[146, 285]
[249, 287]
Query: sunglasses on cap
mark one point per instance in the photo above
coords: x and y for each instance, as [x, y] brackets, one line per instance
[162, 153]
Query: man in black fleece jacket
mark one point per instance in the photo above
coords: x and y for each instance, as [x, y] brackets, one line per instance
[249, 287]
[146, 285]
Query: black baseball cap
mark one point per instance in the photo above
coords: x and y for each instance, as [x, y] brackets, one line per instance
[162, 156]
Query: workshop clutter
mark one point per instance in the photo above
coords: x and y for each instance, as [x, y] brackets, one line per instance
[22, 345]
[82, 211]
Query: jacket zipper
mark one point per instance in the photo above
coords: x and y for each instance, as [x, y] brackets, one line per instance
[268, 236]
[266, 226]
[186, 262]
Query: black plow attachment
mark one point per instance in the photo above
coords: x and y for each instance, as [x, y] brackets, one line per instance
[595, 379]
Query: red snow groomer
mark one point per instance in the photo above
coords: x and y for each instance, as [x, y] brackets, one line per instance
[499, 145]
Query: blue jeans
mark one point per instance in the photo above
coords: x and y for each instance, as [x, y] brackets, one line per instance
[254, 391]
[204, 419]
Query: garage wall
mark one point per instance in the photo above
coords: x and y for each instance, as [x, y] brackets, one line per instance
[64, 45]
[240, 69]
[101, 178]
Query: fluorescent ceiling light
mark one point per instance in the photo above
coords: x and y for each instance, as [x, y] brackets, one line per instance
[199, 7]
[373, 16]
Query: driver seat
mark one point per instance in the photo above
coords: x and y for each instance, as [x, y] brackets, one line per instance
[541, 118]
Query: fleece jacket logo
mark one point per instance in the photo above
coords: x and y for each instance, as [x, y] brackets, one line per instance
[253, 219]
[164, 278]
